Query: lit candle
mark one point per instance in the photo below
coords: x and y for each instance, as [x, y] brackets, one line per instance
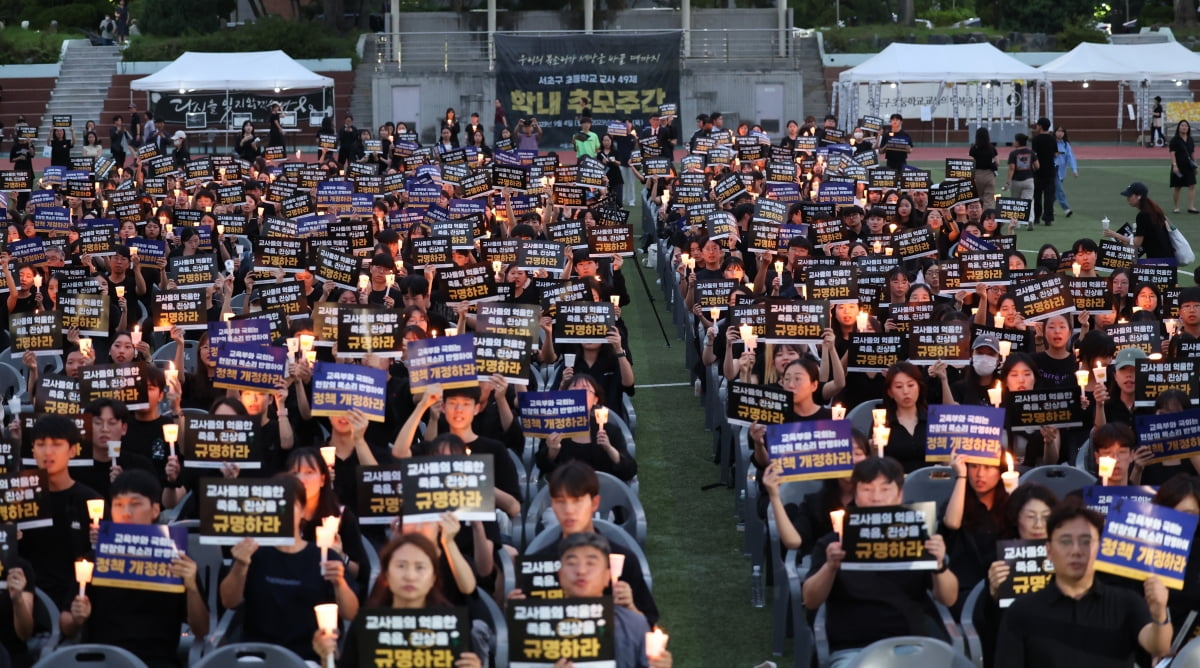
[83, 574]
[615, 300]
[999, 320]
[85, 346]
[37, 281]
[389, 280]
[95, 511]
[260, 212]
[995, 393]
[14, 406]
[683, 259]
[1005, 348]
[691, 264]
[451, 331]
[752, 342]
[837, 517]
[172, 373]
[656, 643]
[616, 566]
[297, 154]
[293, 345]
[497, 265]
[133, 252]
[877, 247]
[325, 540]
[310, 356]
[120, 291]
[220, 229]
[864, 319]
[306, 342]
[114, 450]
[1172, 326]
[1154, 357]
[601, 416]
[1100, 373]
[888, 251]
[714, 313]
[363, 282]
[839, 412]
[170, 230]
[1075, 269]
[745, 331]
[327, 613]
[329, 454]
[171, 434]
[879, 416]
[881, 434]
[1081, 377]
[1107, 464]
[779, 268]
[1010, 478]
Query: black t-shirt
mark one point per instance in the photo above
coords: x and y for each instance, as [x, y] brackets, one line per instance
[96, 476]
[56, 548]
[1055, 372]
[146, 623]
[8, 633]
[984, 159]
[1022, 159]
[907, 448]
[1044, 146]
[145, 439]
[1156, 241]
[506, 471]
[1050, 630]
[281, 590]
[1181, 151]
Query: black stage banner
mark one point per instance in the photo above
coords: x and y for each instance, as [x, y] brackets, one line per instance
[220, 107]
[548, 77]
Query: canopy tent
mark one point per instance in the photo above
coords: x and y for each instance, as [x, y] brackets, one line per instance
[1133, 65]
[252, 71]
[945, 64]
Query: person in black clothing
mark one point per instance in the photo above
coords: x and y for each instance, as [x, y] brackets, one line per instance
[896, 144]
[181, 154]
[1045, 175]
[1157, 138]
[1183, 165]
[109, 423]
[60, 147]
[275, 138]
[984, 154]
[1078, 620]
[349, 149]
[118, 137]
[1150, 234]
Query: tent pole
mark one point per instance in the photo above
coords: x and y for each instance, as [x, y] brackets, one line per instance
[1120, 118]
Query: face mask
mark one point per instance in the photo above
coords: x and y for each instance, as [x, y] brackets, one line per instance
[858, 135]
[984, 365]
[1049, 263]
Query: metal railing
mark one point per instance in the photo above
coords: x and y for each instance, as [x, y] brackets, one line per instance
[472, 51]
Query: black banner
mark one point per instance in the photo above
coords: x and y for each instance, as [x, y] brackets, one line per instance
[220, 107]
[548, 77]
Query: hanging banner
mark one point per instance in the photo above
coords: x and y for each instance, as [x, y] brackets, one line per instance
[223, 109]
[550, 77]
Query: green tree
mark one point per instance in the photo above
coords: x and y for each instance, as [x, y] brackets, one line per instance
[171, 18]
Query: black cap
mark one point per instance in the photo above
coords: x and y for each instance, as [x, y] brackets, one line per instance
[1189, 295]
[1136, 188]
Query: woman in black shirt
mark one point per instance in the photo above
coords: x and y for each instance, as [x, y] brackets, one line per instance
[983, 152]
[905, 398]
[60, 147]
[1183, 166]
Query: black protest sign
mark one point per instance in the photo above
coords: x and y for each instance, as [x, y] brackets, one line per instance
[16, 181]
[502, 354]
[729, 187]
[915, 179]
[1144, 335]
[231, 195]
[537, 578]
[592, 174]
[569, 231]
[915, 243]
[1090, 294]
[1053, 407]
[795, 322]
[280, 253]
[364, 330]
[579, 630]
[719, 225]
[186, 309]
[555, 291]
[781, 172]
[379, 493]
[431, 252]
[990, 267]
[583, 322]
[470, 283]
[1014, 210]
[757, 403]
[232, 510]
[828, 230]
[122, 382]
[929, 343]
[23, 500]
[548, 255]
[461, 232]
[889, 538]
[426, 637]
[287, 297]
[604, 241]
[193, 270]
[81, 454]
[1042, 298]
[503, 251]
[960, 168]
[517, 320]
[874, 352]
[511, 177]
[39, 333]
[337, 388]
[1155, 377]
[341, 269]
[87, 313]
[883, 179]
[570, 196]
[212, 441]
[464, 485]
[57, 395]
[764, 236]
[1116, 255]
[714, 293]
[835, 285]
[1029, 569]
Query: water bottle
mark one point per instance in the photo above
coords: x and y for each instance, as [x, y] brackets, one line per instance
[757, 595]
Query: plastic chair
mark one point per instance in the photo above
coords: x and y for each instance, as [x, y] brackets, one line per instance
[1060, 478]
[931, 483]
[47, 632]
[613, 494]
[612, 532]
[1084, 457]
[208, 575]
[372, 560]
[821, 639]
[1188, 657]
[191, 351]
[107, 656]
[12, 384]
[498, 642]
[252, 653]
[909, 652]
[974, 642]
[784, 600]
[860, 416]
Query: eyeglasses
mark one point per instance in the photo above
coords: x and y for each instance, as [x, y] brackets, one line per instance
[1068, 542]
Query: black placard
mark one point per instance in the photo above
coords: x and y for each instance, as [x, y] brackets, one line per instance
[889, 538]
[835, 285]
[431, 252]
[874, 352]
[23, 500]
[990, 267]
[583, 322]
[57, 395]
[186, 309]
[462, 484]
[124, 382]
[211, 441]
[795, 322]
[41, 333]
[757, 403]
[608, 240]
[580, 628]
[503, 354]
[548, 255]
[234, 509]
[380, 493]
[1052, 407]
[280, 253]
[88, 313]
[193, 270]
[1144, 335]
[1155, 377]
[1116, 255]
[929, 343]
[364, 330]
[1029, 569]
[1042, 298]
[469, 283]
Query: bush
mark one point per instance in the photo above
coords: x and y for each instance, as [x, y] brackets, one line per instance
[1077, 31]
[946, 17]
[298, 40]
[81, 15]
[171, 18]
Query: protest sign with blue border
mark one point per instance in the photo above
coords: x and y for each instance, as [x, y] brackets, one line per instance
[975, 431]
[560, 411]
[1143, 540]
[139, 556]
[812, 449]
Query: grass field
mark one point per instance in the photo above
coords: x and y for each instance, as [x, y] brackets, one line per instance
[701, 579]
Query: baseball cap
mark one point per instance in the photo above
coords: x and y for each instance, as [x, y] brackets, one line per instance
[179, 134]
[1136, 188]
[1128, 357]
[1189, 295]
[986, 341]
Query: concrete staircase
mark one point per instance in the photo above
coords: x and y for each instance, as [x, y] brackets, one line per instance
[360, 99]
[84, 78]
[808, 58]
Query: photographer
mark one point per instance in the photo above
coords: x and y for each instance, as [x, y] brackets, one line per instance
[529, 133]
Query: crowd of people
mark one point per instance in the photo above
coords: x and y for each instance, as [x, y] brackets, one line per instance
[739, 224]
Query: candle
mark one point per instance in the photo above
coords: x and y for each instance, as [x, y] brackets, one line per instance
[1172, 326]
[1010, 478]
[171, 434]
[879, 417]
[1154, 357]
[616, 566]
[298, 157]
[14, 406]
[881, 436]
[1100, 373]
[389, 280]
[1107, 464]
[779, 268]
[451, 331]
[656, 643]
[120, 291]
[691, 264]
[83, 574]
[1082, 377]
[877, 247]
[615, 300]
[136, 334]
[114, 450]
[888, 251]
[999, 320]
[745, 331]
[1005, 348]
[750, 286]
[133, 252]
[260, 212]
[837, 517]
[325, 540]
[95, 511]
[752, 342]
[497, 265]
[293, 345]
[170, 230]
[329, 454]
[363, 282]
[601, 416]
[864, 319]
[666, 194]
[839, 412]
[683, 259]
[803, 291]
[85, 346]
[327, 613]
[714, 313]
[310, 356]
[220, 229]
[306, 342]
[172, 373]
[995, 393]
[37, 281]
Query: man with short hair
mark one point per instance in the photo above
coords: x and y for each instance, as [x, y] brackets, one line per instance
[1189, 321]
[1078, 620]
[586, 141]
[1116, 440]
[703, 128]
[896, 144]
[1045, 174]
[1085, 252]
[118, 137]
[1021, 162]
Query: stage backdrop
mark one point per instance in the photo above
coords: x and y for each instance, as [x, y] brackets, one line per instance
[621, 76]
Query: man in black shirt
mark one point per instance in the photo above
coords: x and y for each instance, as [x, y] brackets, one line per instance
[1044, 147]
[1078, 620]
[896, 144]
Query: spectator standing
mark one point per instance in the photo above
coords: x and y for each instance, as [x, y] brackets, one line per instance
[1020, 168]
[984, 154]
[1064, 158]
[500, 121]
[1044, 148]
[1183, 165]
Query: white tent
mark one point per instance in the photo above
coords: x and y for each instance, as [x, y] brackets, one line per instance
[950, 65]
[1133, 65]
[251, 71]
